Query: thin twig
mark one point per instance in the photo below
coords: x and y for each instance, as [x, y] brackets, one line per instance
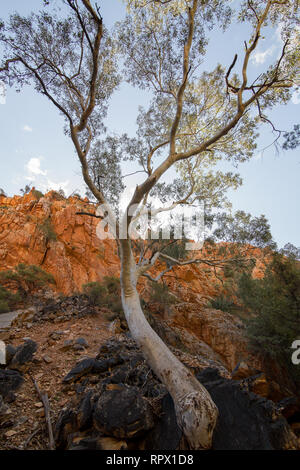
[31, 437]
[45, 400]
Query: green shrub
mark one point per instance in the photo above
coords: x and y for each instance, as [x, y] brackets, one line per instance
[274, 302]
[95, 292]
[25, 278]
[37, 194]
[160, 293]
[4, 307]
[7, 300]
[47, 229]
[224, 303]
[105, 294]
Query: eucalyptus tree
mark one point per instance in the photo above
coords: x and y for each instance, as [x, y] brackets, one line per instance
[195, 118]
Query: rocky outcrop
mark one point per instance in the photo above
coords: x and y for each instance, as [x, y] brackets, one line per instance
[220, 337]
[246, 421]
[47, 232]
[127, 406]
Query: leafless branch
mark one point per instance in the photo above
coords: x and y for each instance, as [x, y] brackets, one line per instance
[44, 398]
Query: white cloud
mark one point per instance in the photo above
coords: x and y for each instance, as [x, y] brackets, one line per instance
[34, 167]
[56, 186]
[27, 128]
[296, 97]
[42, 179]
[260, 57]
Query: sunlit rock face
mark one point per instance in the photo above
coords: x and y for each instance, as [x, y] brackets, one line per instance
[47, 232]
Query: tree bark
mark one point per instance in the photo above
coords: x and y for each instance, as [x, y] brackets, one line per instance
[195, 410]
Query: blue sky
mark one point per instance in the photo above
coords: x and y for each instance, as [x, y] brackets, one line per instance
[35, 150]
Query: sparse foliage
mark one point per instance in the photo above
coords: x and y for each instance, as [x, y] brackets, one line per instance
[105, 294]
[8, 300]
[48, 231]
[274, 301]
[292, 138]
[25, 190]
[25, 278]
[37, 194]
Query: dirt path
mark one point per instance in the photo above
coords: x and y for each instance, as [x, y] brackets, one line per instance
[6, 319]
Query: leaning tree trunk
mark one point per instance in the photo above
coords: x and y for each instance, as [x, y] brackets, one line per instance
[195, 411]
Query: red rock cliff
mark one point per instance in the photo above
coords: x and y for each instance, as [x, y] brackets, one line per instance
[71, 252]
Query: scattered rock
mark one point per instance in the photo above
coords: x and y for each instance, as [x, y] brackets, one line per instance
[82, 342]
[78, 347]
[47, 359]
[38, 404]
[83, 368]
[10, 433]
[68, 344]
[10, 380]
[24, 353]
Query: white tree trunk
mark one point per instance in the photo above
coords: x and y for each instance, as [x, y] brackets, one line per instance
[195, 411]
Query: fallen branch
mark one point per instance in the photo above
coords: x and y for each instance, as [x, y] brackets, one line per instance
[45, 400]
[30, 437]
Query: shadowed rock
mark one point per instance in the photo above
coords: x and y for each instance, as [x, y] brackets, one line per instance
[246, 421]
[24, 353]
[10, 380]
[166, 434]
[123, 413]
[85, 367]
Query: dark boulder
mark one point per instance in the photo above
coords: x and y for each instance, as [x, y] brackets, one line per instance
[65, 426]
[10, 352]
[10, 380]
[123, 413]
[24, 353]
[84, 367]
[84, 415]
[246, 421]
[166, 435]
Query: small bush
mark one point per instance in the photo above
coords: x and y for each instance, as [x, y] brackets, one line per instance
[224, 303]
[160, 293]
[47, 229]
[7, 300]
[37, 194]
[105, 294]
[274, 302]
[4, 307]
[95, 292]
[25, 278]
[25, 190]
